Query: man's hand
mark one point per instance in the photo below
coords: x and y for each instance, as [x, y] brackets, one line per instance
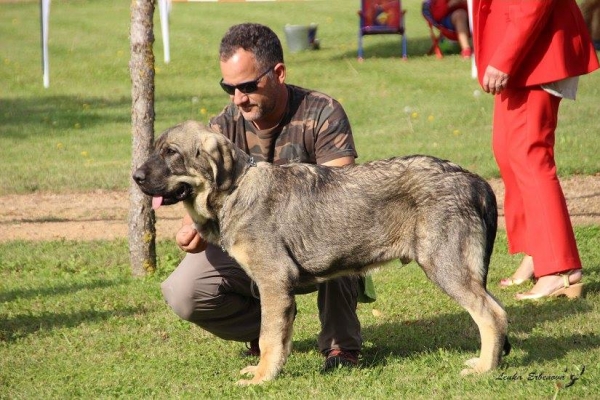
[494, 80]
[188, 239]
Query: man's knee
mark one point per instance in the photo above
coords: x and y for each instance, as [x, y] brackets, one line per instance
[181, 301]
[193, 289]
[229, 316]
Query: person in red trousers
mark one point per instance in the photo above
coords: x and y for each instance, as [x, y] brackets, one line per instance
[529, 54]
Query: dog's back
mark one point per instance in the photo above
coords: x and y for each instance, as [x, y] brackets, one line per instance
[403, 208]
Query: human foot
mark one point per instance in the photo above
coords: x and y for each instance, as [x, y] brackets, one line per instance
[521, 275]
[337, 358]
[566, 284]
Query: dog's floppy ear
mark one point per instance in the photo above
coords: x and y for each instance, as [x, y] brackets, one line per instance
[219, 154]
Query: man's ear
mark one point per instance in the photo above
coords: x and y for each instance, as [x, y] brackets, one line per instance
[280, 72]
[219, 154]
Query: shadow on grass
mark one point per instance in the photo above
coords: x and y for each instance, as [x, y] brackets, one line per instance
[23, 325]
[58, 112]
[391, 47]
[45, 291]
[407, 337]
[25, 117]
[28, 322]
[457, 331]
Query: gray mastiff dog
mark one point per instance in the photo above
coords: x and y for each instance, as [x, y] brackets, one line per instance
[300, 224]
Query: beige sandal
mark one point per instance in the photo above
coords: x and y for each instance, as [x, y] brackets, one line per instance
[507, 282]
[527, 267]
[571, 290]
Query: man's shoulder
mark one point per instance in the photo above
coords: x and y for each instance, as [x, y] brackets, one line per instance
[313, 104]
[230, 112]
[302, 93]
[226, 120]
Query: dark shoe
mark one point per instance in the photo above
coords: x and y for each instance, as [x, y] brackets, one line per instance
[338, 358]
[252, 349]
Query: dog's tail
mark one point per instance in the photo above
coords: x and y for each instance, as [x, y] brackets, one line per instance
[489, 216]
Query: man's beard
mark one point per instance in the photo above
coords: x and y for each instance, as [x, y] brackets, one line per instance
[257, 111]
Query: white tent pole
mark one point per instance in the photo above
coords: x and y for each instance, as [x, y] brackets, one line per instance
[164, 9]
[473, 65]
[45, 17]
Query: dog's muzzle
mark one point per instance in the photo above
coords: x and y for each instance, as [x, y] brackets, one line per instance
[162, 198]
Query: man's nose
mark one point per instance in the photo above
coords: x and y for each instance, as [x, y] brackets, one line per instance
[239, 97]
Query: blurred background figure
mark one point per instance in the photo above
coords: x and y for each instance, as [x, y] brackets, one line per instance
[453, 15]
[591, 14]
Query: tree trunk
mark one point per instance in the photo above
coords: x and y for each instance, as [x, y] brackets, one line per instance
[142, 230]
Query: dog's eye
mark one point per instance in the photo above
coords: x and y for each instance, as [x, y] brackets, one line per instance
[169, 151]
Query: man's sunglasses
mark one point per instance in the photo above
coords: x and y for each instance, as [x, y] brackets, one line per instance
[245, 87]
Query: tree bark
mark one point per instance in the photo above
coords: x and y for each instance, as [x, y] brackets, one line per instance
[142, 230]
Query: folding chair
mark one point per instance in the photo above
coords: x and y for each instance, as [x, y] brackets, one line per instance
[443, 31]
[378, 17]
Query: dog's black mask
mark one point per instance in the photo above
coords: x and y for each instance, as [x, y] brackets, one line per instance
[154, 176]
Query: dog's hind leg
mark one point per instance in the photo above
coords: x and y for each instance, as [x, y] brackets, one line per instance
[492, 322]
[468, 289]
[275, 342]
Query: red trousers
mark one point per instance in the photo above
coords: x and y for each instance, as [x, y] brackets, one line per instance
[537, 218]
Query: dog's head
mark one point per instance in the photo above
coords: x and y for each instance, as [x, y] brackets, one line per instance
[189, 163]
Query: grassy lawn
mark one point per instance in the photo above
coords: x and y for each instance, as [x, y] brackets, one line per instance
[75, 324]
[79, 129]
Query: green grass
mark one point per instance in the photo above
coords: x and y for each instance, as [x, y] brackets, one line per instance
[76, 135]
[75, 324]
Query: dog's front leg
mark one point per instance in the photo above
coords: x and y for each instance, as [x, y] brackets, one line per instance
[277, 319]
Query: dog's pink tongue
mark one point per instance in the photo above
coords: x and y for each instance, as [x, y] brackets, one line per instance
[156, 202]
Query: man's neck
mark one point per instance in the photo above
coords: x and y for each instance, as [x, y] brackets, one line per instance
[277, 115]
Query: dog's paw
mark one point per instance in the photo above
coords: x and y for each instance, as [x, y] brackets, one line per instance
[249, 370]
[257, 379]
[245, 382]
[468, 371]
[472, 364]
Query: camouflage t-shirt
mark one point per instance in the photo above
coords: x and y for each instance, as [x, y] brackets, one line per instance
[315, 129]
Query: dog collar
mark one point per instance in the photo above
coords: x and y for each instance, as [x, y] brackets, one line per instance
[251, 162]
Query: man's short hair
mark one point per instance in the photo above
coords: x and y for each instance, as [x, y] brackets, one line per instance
[257, 39]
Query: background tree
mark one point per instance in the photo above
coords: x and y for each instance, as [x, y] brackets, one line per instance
[142, 230]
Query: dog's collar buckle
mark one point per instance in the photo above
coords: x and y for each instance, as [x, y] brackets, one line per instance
[251, 162]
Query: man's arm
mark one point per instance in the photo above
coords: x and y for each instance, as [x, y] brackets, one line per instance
[339, 162]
